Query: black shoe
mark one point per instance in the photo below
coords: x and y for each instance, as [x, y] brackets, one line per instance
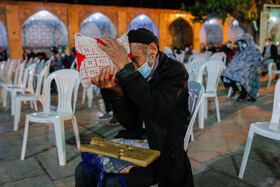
[105, 116]
[113, 120]
[251, 99]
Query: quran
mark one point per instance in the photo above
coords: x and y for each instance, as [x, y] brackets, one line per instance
[136, 155]
[91, 59]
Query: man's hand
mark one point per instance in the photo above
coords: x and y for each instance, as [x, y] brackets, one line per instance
[116, 52]
[107, 80]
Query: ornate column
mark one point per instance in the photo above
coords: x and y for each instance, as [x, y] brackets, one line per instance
[196, 36]
[163, 29]
[14, 31]
[73, 23]
[122, 25]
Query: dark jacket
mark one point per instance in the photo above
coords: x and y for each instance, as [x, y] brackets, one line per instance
[273, 52]
[163, 105]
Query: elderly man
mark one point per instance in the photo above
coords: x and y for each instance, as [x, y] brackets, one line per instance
[151, 92]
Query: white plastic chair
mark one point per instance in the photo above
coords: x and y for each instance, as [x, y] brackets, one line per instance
[180, 57]
[27, 86]
[67, 82]
[198, 62]
[266, 129]
[8, 70]
[219, 56]
[206, 55]
[38, 96]
[192, 57]
[214, 69]
[271, 72]
[191, 69]
[196, 91]
[17, 83]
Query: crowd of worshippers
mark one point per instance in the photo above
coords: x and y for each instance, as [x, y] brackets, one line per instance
[228, 48]
[61, 59]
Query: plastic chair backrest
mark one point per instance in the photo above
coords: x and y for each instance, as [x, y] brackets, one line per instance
[196, 91]
[67, 82]
[2, 70]
[191, 69]
[8, 72]
[30, 60]
[206, 55]
[17, 72]
[276, 104]
[180, 57]
[28, 74]
[42, 76]
[198, 62]
[214, 69]
[40, 66]
[192, 57]
[219, 56]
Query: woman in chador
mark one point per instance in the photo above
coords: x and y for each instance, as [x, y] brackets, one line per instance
[244, 69]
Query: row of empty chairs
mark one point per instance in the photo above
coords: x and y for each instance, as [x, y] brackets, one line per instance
[210, 70]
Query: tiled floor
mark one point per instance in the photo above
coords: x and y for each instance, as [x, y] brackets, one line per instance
[215, 154]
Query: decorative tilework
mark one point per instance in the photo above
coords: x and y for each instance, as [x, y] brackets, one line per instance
[237, 33]
[3, 36]
[43, 29]
[98, 25]
[211, 33]
[143, 21]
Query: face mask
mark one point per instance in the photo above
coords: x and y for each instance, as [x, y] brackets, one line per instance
[145, 69]
[244, 46]
[228, 46]
[266, 43]
[187, 49]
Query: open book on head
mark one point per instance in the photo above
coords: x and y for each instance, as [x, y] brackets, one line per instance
[91, 59]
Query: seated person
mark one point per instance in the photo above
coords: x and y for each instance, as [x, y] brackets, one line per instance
[150, 91]
[227, 49]
[244, 69]
[269, 56]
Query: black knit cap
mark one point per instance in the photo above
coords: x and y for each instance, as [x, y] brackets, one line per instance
[142, 35]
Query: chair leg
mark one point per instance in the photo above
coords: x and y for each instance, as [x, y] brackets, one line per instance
[89, 96]
[246, 153]
[76, 131]
[269, 81]
[229, 92]
[60, 141]
[192, 136]
[24, 143]
[13, 95]
[31, 105]
[217, 109]
[17, 113]
[4, 96]
[35, 105]
[201, 115]
[206, 108]
[84, 96]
